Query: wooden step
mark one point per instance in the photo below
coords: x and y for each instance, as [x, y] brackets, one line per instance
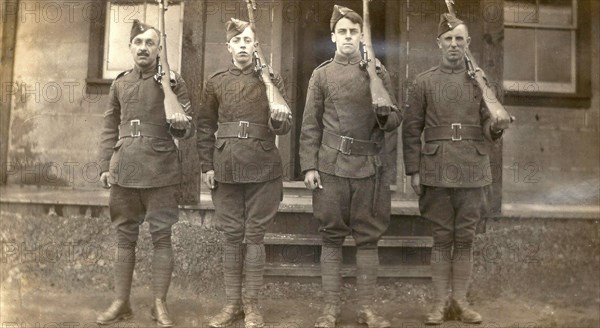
[314, 270]
[386, 241]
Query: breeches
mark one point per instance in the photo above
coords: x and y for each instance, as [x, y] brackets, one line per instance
[129, 207]
[244, 210]
[454, 213]
[352, 206]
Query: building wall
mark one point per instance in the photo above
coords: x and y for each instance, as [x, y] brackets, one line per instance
[552, 155]
[55, 123]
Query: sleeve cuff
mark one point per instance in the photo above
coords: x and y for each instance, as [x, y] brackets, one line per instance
[496, 135]
[491, 135]
[275, 125]
[390, 123]
[207, 167]
[104, 166]
[304, 171]
[411, 169]
[382, 120]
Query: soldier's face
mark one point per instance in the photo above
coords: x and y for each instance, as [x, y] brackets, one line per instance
[242, 46]
[454, 43]
[347, 37]
[144, 48]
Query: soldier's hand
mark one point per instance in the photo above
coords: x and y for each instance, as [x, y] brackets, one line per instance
[209, 179]
[180, 121]
[280, 112]
[312, 180]
[104, 180]
[383, 110]
[415, 182]
[501, 123]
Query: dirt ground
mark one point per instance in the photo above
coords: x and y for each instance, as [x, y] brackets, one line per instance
[50, 307]
[527, 274]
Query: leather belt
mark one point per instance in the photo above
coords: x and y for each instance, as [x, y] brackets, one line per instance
[245, 130]
[135, 128]
[454, 132]
[350, 146]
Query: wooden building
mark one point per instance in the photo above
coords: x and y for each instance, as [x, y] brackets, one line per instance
[59, 58]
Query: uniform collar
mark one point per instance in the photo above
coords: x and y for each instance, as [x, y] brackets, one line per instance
[345, 60]
[453, 69]
[237, 71]
[144, 73]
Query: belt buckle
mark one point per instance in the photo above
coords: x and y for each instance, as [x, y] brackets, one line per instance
[456, 136]
[135, 132]
[345, 145]
[243, 132]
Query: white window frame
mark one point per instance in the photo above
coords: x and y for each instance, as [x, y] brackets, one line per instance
[541, 86]
[119, 23]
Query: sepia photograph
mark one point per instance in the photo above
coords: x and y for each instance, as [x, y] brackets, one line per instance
[300, 163]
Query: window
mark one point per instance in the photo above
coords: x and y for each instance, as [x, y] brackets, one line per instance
[109, 36]
[540, 45]
[546, 46]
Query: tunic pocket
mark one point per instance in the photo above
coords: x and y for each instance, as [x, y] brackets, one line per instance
[119, 144]
[430, 149]
[163, 145]
[219, 144]
[481, 149]
[267, 145]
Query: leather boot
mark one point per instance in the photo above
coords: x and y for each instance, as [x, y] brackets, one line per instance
[465, 313]
[119, 310]
[252, 316]
[229, 314]
[437, 314]
[368, 316]
[160, 313]
[330, 315]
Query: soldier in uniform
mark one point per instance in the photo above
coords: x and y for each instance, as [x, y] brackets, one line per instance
[342, 158]
[243, 169]
[139, 161]
[450, 170]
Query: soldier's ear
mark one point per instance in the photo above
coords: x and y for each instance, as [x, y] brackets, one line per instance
[439, 43]
[332, 37]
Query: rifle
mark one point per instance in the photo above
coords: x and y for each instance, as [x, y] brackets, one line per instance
[497, 111]
[379, 95]
[171, 103]
[273, 95]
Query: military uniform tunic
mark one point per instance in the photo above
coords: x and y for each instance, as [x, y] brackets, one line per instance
[353, 200]
[141, 162]
[235, 95]
[443, 96]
